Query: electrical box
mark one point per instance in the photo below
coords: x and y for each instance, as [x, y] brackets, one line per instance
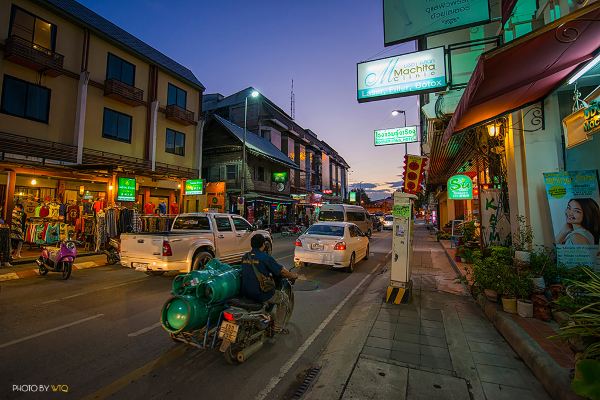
[402, 240]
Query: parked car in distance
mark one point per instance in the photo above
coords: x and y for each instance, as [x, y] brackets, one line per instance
[338, 244]
[347, 213]
[377, 224]
[195, 239]
[388, 221]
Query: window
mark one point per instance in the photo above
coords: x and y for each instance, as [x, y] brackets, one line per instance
[192, 223]
[116, 126]
[265, 134]
[24, 99]
[176, 96]
[331, 216]
[214, 173]
[326, 230]
[223, 224]
[241, 224]
[355, 216]
[231, 172]
[260, 174]
[175, 142]
[121, 70]
[353, 230]
[33, 29]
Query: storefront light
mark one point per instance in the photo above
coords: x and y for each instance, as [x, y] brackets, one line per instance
[492, 130]
[110, 187]
[34, 182]
[585, 69]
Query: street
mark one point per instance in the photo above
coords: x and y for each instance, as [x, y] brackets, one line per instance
[98, 334]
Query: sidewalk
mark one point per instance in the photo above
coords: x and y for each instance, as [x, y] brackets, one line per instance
[440, 346]
[27, 268]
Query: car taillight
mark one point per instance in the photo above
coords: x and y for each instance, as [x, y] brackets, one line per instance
[340, 246]
[228, 316]
[166, 251]
[298, 243]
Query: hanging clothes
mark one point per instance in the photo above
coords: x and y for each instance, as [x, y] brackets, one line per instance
[44, 211]
[72, 214]
[53, 210]
[37, 211]
[137, 222]
[52, 233]
[162, 207]
[112, 215]
[174, 209]
[17, 225]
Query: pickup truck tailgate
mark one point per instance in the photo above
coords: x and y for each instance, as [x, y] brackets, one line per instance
[141, 246]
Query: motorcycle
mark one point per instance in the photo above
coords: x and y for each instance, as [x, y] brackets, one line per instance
[246, 325]
[58, 259]
[112, 252]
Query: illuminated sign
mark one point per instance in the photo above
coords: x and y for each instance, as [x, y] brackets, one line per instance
[194, 186]
[280, 177]
[126, 189]
[327, 191]
[403, 75]
[582, 124]
[460, 187]
[591, 118]
[352, 197]
[408, 134]
[405, 20]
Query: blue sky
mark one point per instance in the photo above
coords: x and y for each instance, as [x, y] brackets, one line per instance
[230, 45]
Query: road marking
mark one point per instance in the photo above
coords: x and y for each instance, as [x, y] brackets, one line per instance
[287, 366]
[93, 291]
[123, 284]
[9, 276]
[86, 264]
[144, 330]
[51, 301]
[23, 339]
[75, 295]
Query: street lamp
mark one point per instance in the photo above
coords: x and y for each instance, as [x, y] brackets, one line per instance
[253, 94]
[395, 114]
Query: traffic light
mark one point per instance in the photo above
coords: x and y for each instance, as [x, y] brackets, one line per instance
[414, 169]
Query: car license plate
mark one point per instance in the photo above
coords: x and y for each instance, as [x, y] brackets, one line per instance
[140, 266]
[228, 331]
[316, 246]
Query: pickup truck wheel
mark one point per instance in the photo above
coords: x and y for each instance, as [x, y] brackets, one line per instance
[200, 260]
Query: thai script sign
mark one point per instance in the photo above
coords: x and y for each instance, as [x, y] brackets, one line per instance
[194, 186]
[460, 187]
[405, 20]
[404, 75]
[385, 137]
[126, 189]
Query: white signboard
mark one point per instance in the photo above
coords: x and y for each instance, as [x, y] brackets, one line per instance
[403, 75]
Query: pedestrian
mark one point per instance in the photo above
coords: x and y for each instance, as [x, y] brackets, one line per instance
[17, 229]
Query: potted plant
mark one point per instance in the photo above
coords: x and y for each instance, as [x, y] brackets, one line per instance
[524, 304]
[541, 264]
[522, 241]
[509, 289]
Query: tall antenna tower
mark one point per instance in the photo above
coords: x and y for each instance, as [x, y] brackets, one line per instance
[293, 102]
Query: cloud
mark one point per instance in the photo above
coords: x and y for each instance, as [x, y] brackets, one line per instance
[395, 184]
[364, 185]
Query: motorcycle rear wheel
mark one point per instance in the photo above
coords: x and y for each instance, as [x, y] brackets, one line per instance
[66, 270]
[43, 271]
[231, 356]
[111, 259]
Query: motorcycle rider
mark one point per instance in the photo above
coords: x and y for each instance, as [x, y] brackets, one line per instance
[259, 271]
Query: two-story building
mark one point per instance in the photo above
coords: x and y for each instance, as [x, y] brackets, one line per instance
[85, 103]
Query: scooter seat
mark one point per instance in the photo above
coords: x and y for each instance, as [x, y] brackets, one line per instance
[244, 303]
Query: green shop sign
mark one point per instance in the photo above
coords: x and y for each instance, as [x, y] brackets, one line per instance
[194, 186]
[352, 197]
[126, 189]
[280, 177]
[407, 134]
[460, 187]
[591, 118]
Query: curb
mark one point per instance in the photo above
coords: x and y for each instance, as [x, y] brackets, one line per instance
[30, 273]
[555, 379]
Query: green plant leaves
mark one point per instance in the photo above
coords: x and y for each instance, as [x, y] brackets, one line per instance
[586, 382]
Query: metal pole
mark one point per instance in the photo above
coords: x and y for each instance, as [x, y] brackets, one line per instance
[405, 144]
[244, 150]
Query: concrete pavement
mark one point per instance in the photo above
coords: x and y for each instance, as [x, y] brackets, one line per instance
[440, 346]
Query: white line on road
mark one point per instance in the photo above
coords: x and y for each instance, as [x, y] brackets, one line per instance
[144, 330]
[287, 366]
[51, 301]
[49, 331]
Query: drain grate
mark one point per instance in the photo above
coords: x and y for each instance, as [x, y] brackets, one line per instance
[311, 374]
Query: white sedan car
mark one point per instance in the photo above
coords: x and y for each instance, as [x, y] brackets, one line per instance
[338, 244]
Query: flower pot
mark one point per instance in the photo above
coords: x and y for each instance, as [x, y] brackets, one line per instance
[491, 295]
[538, 284]
[509, 304]
[557, 290]
[525, 308]
[522, 257]
[463, 260]
[541, 307]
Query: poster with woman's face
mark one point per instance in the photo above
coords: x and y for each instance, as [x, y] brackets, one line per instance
[574, 202]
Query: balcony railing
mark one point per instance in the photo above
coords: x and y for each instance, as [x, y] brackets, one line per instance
[31, 55]
[123, 92]
[32, 147]
[180, 115]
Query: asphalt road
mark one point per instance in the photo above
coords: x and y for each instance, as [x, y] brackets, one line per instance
[99, 335]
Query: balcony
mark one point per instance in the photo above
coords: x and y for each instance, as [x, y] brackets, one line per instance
[31, 55]
[25, 146]
[123, 92]
[180, 115]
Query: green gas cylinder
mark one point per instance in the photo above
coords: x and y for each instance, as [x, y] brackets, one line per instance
[221, 287]
[188, 283]
[184, 313]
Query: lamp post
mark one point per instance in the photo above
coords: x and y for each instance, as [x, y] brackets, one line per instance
[394, 114]
[253, 94]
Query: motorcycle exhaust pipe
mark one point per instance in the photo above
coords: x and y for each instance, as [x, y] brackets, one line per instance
[243, 355]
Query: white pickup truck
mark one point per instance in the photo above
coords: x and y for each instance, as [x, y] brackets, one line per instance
[194, 239]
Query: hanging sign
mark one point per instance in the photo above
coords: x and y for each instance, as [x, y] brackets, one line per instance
[405, 20]
[574, 200]
[403, 75]
[460, 187]
[194, 186]
[414, 168]
[385, 137]
[279, 177]
[495, 225]
[581, 125]
[352, 197]
[126, 189]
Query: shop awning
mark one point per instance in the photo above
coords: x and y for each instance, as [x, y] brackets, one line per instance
[269, 198]
[527, 69]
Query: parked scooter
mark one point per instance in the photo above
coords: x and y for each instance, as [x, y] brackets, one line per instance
[112, 251]
[58, 259]
[246, 325]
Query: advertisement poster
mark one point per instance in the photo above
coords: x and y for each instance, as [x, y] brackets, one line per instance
[405, 20]
[215, 196]
[574, 200]
[495, 223]
[403, 75]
